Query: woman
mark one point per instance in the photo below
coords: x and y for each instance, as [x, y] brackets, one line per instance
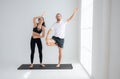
[38, 33]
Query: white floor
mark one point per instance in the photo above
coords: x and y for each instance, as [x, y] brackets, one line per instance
[12, 73]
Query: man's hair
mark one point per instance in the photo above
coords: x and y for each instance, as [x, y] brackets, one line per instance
[58, 14]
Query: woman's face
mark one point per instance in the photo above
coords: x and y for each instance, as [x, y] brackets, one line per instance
[40, 20]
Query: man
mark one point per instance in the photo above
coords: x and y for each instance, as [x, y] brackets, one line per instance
[59, 33]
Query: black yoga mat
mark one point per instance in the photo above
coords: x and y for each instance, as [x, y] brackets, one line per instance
[47, 67]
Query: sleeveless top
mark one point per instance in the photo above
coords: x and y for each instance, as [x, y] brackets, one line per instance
[35, 29]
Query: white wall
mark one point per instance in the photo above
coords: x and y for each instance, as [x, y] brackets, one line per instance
[114, 68]
[106, 39]
[16, 29]
[100, 39]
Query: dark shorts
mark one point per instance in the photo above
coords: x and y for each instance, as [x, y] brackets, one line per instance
[58, 41]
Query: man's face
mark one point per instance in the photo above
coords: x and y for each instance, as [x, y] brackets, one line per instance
[58, 17]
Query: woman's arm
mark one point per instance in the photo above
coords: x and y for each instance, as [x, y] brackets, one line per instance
[35, 18]
[36, 34]
[43, 32]
[40, 35]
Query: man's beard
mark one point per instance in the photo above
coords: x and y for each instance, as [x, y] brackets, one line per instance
[58, 19]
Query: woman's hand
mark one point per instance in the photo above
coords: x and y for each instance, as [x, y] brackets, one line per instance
[43, 14]
[43, 28]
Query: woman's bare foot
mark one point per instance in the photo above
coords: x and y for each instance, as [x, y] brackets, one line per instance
[42, 65]
[58, 65]
[31, 66]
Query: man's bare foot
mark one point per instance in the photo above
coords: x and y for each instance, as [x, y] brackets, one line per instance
[58, 65]
[31, 66]
[42, 65]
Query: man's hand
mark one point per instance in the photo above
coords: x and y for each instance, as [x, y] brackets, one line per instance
[72, 16]
[47, 36]
[76, 10]
[47, 42]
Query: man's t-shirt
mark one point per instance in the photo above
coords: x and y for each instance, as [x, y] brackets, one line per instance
[59, 29]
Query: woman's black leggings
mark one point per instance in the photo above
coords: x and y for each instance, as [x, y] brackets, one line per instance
[32, 45]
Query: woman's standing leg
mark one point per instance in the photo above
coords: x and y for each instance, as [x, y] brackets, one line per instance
[39, 44]
[32, 45]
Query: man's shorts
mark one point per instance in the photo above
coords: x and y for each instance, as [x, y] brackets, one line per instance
[58, 41]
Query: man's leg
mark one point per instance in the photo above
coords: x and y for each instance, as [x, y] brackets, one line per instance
[59, 57]
[51, 42]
